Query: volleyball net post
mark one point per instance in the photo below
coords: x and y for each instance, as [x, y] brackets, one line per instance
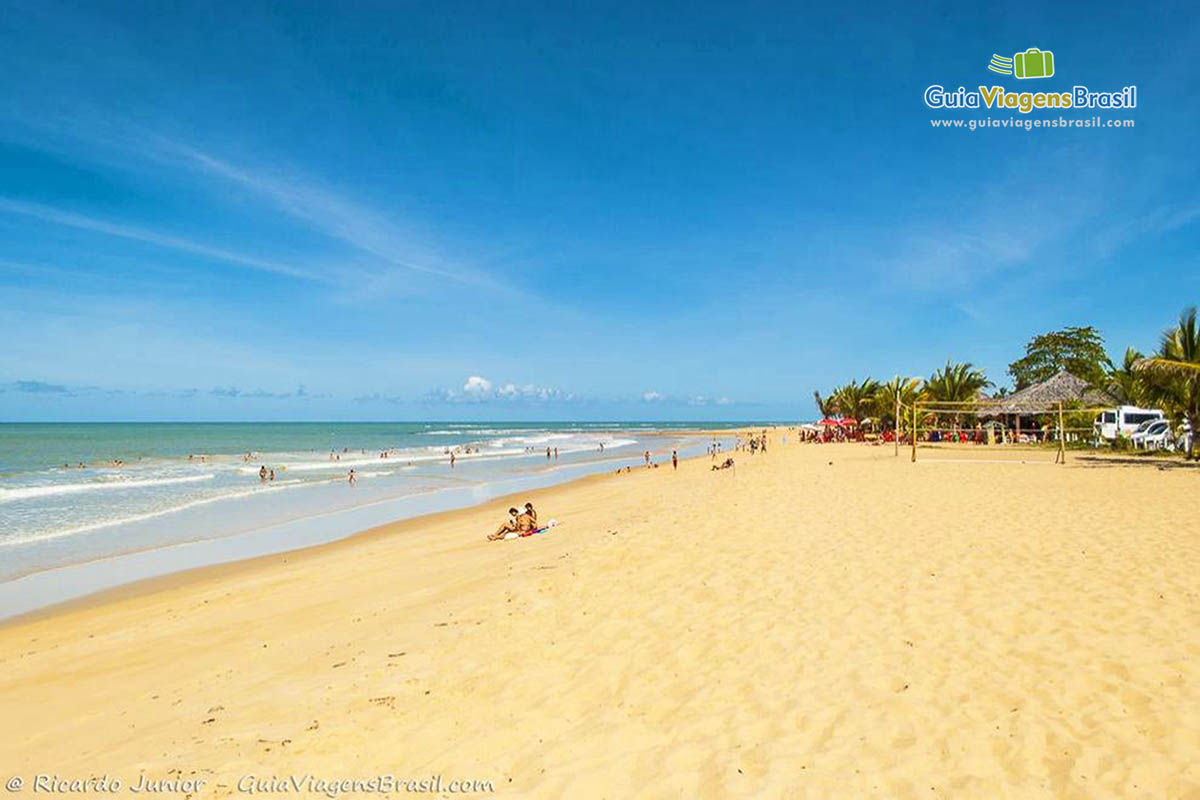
[896, 432]
[912, 435]
[1061, 456]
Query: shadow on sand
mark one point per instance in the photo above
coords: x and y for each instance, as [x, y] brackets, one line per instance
[1157, 462]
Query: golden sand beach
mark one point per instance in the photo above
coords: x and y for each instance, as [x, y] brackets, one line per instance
[821, 621]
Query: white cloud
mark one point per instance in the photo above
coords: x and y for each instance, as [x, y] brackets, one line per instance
[477, 386]
[478, 389]
[724, 401]
[651, 396]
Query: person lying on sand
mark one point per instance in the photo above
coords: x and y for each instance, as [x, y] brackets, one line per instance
[726, 464]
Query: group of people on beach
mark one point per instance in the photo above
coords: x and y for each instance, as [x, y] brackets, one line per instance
[551, 452]
[753, 444]
[520, 523]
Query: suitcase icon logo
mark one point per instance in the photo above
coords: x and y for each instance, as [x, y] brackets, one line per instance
[1033, 63]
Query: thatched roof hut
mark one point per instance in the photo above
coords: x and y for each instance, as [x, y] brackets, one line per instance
[1044, 397]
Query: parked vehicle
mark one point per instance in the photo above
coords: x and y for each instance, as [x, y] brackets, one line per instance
[1153, 435]
[1123, 421]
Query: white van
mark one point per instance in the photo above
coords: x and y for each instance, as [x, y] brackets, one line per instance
[1123, 421]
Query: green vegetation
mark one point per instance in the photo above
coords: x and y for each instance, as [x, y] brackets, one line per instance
[1172, 375]
[1079, 351]
[1168, 379]
[870, 399]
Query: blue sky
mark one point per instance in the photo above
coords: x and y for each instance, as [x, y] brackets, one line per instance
[565, 211]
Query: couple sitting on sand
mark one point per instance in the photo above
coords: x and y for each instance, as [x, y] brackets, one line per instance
[519, 524]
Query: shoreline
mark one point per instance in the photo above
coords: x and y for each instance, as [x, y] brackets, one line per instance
[206, 572]
[169, 575]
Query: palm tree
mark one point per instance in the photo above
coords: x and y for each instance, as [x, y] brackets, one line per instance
[856, 399]
[1126, 383]
[825, 405]
[956, 383]
[884, 404]
[1174, 371]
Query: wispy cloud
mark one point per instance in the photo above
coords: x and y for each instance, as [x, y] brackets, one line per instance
[39, 387]
[1037, 203]
[327, 211]
[300, 393]
[223, 392]
[376, 398]
[388, 254]
[81, 222]
[1160, 220]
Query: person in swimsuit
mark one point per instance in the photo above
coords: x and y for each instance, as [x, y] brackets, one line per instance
[506, 528]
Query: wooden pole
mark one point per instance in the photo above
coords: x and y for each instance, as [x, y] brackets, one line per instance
[1061, 458]
[913, 432]
[896, 427]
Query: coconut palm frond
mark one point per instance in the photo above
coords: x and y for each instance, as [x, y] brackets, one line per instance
[1168, 366]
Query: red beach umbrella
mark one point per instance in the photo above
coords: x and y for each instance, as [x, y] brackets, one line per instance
[848, 422]
[828, 421]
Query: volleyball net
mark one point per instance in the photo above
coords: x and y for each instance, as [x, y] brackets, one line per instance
[991, 422]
